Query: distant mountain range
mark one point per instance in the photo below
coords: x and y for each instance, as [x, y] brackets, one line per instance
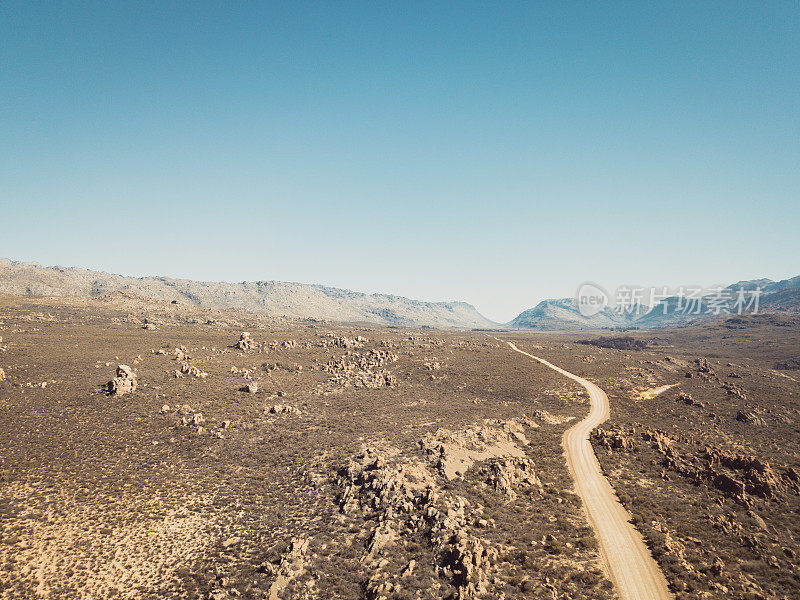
[563, 314]
[271, 297]
[320, 302]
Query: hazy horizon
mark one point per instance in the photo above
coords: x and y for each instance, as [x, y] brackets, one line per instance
[497, 155]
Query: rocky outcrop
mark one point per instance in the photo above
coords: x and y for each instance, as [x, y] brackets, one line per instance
[672, 545]
[291, 565]
[734, 390]
[733, 474]
[367, 482]
[362, 369]
[403, 498]
[549, 418]
[703, 366]
[332, 340]
[750, 417]
[613, 439]
[453, 452]
[507, 474]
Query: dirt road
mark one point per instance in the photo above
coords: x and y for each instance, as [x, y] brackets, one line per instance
[626, 559]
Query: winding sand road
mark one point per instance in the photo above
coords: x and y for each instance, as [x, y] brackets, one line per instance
[627, 561]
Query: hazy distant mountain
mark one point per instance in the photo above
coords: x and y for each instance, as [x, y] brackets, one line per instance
[776, 296]
[751, 284]
[562, 314]
[271, 297]
[672, 312]
[783, 296]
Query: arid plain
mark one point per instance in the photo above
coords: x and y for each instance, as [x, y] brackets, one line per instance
[238, 455]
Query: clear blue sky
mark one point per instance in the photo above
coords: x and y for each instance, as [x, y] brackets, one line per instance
[497, 153]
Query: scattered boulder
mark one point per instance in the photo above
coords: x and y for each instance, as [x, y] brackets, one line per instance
[687, 399]
[734, 390]
[283, 409]
[231, 542]
[549, 418]
[335, 341]
[409, 568]
[188, 369]
[750, 417]
[703, 366]
[245, 341]
[123, 383]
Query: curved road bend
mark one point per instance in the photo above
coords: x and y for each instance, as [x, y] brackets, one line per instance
[627, 561]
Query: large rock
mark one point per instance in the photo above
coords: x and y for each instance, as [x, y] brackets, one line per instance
[749, 417]
[292, 565]
[245, 342]
[729, 485]
[123, 383]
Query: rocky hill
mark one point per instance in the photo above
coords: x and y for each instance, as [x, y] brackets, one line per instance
[270, 297]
